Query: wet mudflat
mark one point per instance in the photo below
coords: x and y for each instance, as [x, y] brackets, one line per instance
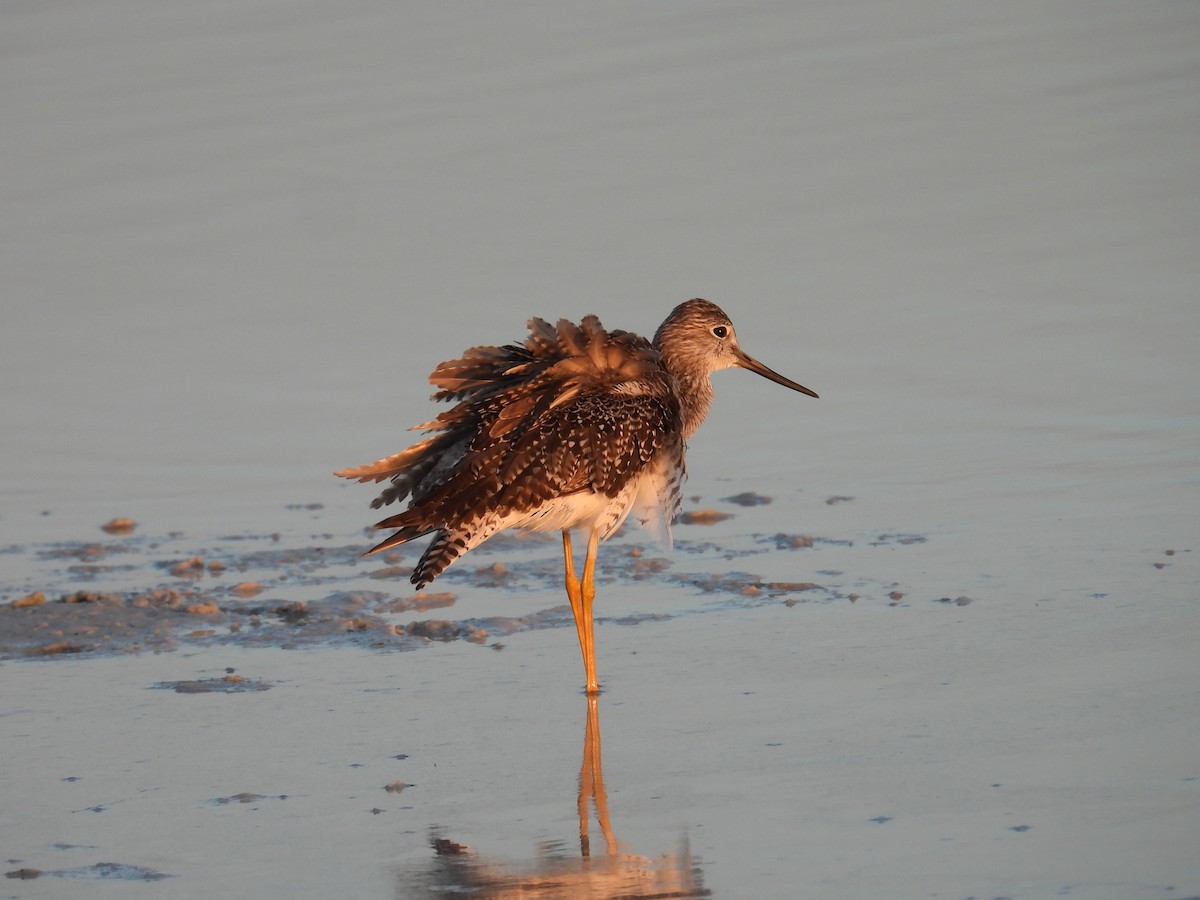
[164, 592]
[744, 712]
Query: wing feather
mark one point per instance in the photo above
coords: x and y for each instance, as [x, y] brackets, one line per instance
[574, 408]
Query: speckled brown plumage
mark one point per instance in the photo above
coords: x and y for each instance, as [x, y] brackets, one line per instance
[578, 427]
[533, 423]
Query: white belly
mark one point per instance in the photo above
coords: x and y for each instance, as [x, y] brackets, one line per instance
[585, 509]
[653, 498]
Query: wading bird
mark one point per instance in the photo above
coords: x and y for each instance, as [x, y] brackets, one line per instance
[577, 428]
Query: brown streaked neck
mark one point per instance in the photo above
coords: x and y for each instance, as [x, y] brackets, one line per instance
[693, 389]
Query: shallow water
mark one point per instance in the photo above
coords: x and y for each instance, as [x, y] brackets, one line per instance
[238, 237]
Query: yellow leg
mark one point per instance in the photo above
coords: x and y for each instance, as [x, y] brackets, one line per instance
[588, 590]
[581, 595]
[574, 593]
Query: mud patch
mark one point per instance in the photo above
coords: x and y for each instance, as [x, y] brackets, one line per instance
[703, 517]
[885, 539]
[782, 541]
[105, 870]
[747, 498]
[229, 684]
[254, 590]
[119, 525]
[244, 797]
[88, 621]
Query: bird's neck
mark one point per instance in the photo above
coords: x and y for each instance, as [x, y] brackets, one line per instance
[695, 393]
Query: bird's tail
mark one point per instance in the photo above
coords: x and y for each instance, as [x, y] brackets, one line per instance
[443, 550]
[448, 544]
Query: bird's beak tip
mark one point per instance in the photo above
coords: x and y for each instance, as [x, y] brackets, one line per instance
[746, 361]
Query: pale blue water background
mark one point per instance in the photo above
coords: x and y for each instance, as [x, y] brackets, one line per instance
[235, 238]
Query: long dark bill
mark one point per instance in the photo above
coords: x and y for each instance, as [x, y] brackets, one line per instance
[746, 361]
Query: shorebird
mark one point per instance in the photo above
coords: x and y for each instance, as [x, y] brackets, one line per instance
[576, 428]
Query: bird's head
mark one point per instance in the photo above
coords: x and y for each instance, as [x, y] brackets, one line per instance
[698, 339]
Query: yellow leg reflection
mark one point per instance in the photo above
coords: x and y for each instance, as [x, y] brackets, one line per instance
[591, 783]
[616, 874]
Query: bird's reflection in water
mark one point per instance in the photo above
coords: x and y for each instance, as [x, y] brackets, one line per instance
[457, 871]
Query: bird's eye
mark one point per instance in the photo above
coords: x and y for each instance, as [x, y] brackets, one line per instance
[720, 331]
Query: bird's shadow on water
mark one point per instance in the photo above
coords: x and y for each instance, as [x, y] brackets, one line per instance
[610, 870]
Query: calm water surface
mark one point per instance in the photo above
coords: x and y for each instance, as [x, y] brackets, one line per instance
[237, 237]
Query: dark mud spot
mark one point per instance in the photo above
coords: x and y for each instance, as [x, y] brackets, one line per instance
[446, 847]
[743, 583]
[791, 541]
[748, 590]
[434, 629]
[105, 870]
[747, 498]
[885, 539]
[188, 568]
[229, 684]
[792, 586]
[292, 613]
[244, 797]
[84, 552]
[57, 648]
